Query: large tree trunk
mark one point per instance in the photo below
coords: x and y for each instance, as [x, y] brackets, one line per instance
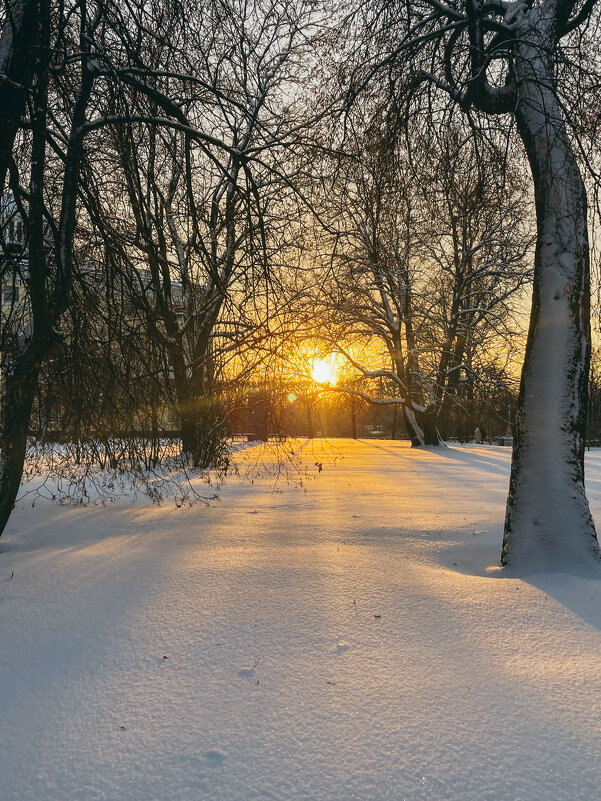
[451, 388]
[17, 401]
[47, 304]
[421, 425]
[205, 437]
[202, 428]
[548, 524]
[184, 408]
[21, 362]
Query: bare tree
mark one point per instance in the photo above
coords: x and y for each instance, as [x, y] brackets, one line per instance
[202, 89]
[425, 260]
[510, 59]
[197, 230]
[49, 271]
[23, 51]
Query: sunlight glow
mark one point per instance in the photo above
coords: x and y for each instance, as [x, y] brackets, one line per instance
[324, 371]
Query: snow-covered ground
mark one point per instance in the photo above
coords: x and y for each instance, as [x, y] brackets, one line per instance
[351, 642]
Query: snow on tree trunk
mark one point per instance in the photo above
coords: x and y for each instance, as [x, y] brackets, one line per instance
[413, 429]
[421, 425]
[548, 524]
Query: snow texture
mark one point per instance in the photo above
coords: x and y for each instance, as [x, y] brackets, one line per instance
[354, 642]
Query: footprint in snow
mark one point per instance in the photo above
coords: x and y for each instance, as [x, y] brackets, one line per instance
[215, 757]
[246, 673]
[341, 647]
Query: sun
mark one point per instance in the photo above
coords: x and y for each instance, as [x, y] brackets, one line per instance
[324, 371]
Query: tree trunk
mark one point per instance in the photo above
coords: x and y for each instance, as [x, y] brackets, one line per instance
[548, 524]
[17, 44]
[201, 423]
[427, 422]
[183, 401]
[310, 422]
[451, 388]
[21, 363]
[421, 426]
[17, 401]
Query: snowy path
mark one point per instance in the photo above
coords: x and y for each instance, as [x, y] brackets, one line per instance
[341, 644]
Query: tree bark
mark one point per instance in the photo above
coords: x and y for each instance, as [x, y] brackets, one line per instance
[17, 401]
[427, 423]
[47, 304]
[548, 523]
[17, 44]
[420, 425]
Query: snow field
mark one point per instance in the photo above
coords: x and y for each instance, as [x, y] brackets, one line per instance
[354, 642]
